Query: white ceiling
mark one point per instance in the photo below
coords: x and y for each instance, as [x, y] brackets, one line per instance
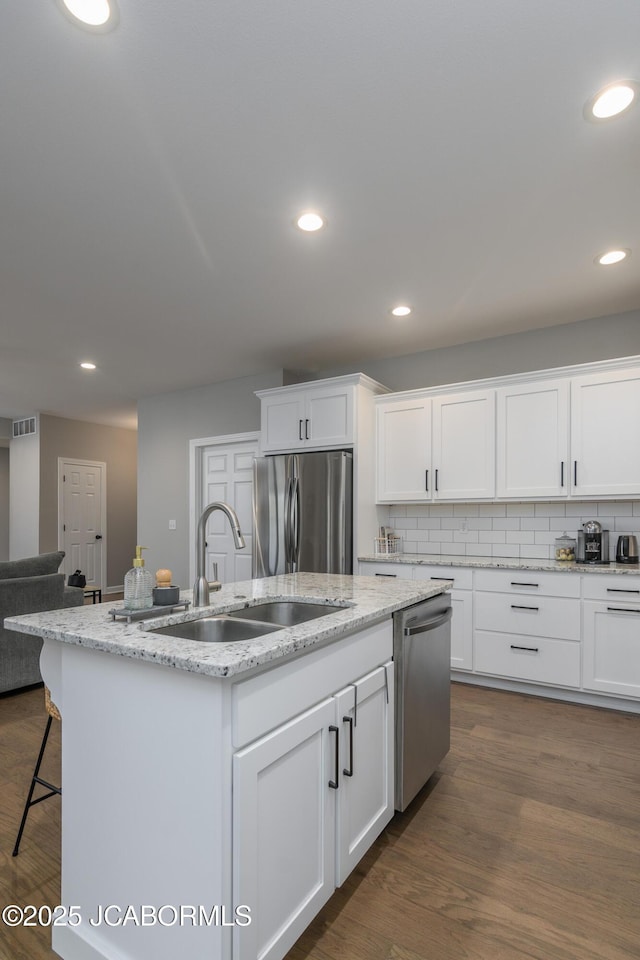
[150, 176]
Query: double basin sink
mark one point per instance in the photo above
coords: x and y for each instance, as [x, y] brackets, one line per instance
[250, 622]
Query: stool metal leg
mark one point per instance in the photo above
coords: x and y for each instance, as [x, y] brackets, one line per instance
[36, 779]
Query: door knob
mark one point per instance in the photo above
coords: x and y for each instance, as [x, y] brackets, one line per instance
[98, 536]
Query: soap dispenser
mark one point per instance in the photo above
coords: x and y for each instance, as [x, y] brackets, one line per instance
[138, 585]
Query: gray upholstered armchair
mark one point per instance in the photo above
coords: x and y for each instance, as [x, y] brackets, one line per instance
[29, 586]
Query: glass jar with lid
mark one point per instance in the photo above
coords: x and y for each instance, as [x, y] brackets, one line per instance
[565, 547]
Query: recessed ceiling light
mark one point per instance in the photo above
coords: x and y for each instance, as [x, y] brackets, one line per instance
[87, 365]
[613, 256]
[91, 13]
[401, 311]
[611, 100]
[310, 222]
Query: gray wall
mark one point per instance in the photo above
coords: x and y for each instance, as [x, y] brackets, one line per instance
[4, 503]
[166, 424]
[117, 448]
[603, 338]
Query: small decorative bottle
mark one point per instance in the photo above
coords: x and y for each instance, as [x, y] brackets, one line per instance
[138, 585]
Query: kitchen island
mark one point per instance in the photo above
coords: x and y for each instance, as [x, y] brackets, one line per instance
[214, 795]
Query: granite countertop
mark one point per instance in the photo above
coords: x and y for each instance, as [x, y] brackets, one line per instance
[366, 600]
[505, 563]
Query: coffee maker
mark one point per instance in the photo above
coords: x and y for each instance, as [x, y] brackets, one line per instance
[593, 543]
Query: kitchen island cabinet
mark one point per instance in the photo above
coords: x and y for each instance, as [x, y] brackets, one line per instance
[209, 783]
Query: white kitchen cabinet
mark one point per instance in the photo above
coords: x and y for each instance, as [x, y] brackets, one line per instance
[531, 631]
[365, 793]
[284, 832]
[312, 794]
[312, 418]
[461, 593]
[532, 440]
[403, 450]
[605, 454]
[611, 661]
[464, 446]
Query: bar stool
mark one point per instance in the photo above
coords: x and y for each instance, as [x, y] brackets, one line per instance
[54, 714]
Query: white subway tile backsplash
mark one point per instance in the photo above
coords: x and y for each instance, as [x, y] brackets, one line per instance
[492, 510]
[549, 509]
[506, 523]
[512, 529]
[492, 536]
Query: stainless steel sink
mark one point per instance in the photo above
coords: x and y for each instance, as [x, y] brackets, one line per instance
[286, 613]
[220, 629]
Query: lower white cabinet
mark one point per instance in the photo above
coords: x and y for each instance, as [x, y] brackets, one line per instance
[461, 600]
[531, 632]
[612, 647]
[309, 798]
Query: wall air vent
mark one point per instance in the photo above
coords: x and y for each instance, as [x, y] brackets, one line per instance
[24, 428]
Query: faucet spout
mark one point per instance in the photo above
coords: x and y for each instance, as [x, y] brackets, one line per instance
[201, 586]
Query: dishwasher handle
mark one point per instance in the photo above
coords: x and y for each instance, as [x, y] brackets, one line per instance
[427, 625]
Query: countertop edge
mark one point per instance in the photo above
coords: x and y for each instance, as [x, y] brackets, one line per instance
[504, 563]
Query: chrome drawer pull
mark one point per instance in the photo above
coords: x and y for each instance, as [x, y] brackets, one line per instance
[518, 583]
[530, 649]
[519, 606]
[622, 610]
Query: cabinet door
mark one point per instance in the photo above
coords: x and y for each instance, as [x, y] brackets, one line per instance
[328, 419]
[464, 446]
[611, 657]
[403, 436]
[366, 786]
[605, 413]
[283, 422]
[462, 630]
[284, 832]
[533, 440]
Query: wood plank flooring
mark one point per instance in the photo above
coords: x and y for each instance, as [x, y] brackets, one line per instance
[525, 844]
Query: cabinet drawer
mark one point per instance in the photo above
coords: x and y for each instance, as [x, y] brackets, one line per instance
[270, 698]
[461, 578]
[611, 587]
[528, 616]
[529, 582]
[523, 658]
[403, 571]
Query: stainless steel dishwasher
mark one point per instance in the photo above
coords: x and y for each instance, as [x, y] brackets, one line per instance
[422, 655]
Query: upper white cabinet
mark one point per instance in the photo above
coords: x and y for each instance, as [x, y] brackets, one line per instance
[436, 448]
[566, 436]
[605, 419]
[403, 454]
[464, 446]
[319, 415]
[532, 444]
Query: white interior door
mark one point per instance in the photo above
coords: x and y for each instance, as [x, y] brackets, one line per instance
[82, 519]
[227, 476]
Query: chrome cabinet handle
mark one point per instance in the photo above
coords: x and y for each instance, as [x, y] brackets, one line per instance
[334, 783]
[349, 772]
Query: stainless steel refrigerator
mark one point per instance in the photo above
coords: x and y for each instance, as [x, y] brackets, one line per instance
[302, 513]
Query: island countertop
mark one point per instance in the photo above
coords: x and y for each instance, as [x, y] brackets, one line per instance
[365, 599]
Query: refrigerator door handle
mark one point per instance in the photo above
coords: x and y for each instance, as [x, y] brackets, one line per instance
[296, 520]
[287, 525]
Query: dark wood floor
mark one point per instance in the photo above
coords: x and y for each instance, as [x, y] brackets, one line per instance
[526, 844]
